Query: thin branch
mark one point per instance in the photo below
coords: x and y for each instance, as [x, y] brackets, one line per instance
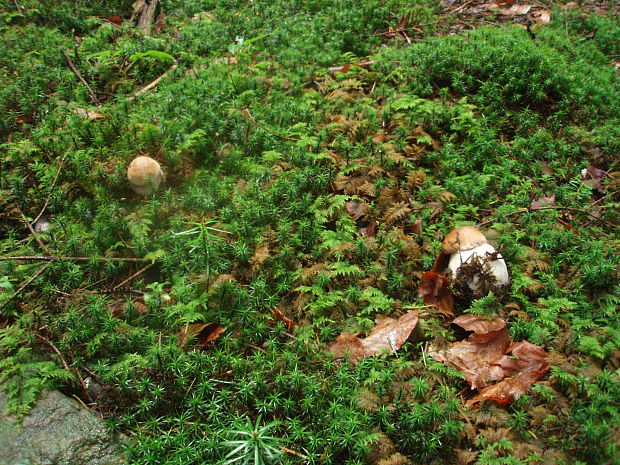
[92, 94]
[34, 234]
[250, 118]
[26, 284]
[49, 194]
[553, 207]
[137, 273]
[55, 349]
[153, 84]
[19, 8]
[75, 259]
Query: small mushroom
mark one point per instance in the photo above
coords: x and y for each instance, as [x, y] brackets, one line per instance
[475, 267]
[145, 175]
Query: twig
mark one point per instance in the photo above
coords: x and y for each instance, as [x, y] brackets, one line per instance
[66, 367]
[49, 194]
[456, 10]
[153, 84]
[34, 234]
[92, 94]
[137, 273]
[251, 119]
[605, 196]
[26, 284]
[19, 8]
[293, 452]
[554, 207]
[75, 259]
[55, 349]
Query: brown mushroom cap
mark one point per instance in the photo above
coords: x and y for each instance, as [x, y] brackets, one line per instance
[144, 174]
[463, 238]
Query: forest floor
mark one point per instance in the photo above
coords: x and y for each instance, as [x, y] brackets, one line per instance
[316, 153]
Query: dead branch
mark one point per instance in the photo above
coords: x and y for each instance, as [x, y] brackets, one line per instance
[26, 284]
[75, 259]
[34, 234]
[49, 194]
[250, 118]
[18, 6]
[153, 84]
[137, 273]
[551, 207]
[92, 94]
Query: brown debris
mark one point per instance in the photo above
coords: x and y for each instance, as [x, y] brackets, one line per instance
[387, 336]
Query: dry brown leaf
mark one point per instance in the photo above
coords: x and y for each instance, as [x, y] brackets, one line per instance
[278, 315]
[387, 336]
[87, 114]
[543, 202]
[356, 209]
[542, 16]
[260, 255]
[203, 332]
[477, 356]
[434, 287]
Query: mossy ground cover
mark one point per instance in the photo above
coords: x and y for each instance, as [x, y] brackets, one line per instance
[324, 195]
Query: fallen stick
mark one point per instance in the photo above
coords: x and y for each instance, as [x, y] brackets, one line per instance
[153, 84]
[34, 234]
[92, 94]
[252, 120]
[49, 194]
[554, 207]
[137, 273]
[26, 284]
[75, 259]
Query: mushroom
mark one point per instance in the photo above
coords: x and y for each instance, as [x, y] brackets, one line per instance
[145, 175]
[475, 267]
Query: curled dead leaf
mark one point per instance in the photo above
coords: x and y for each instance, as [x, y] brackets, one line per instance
[434, 287]
[87, 114]
[527, 365]
[387, 336]
[476, 357]
[204, 333]
[278, 315]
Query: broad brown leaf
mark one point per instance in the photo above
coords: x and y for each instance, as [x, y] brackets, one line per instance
[387, 336]
[203, 332]
[434, 287]
[528, 367]
[477, 356]
[278, 315]
[356, 209]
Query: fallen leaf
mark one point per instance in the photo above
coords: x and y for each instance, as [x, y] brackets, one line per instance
[527, 365]
[115, 20]
[355, 209]
[434, 287]
[278, 315]
[543, 201]
[542, 16]
[387, 336]
[477, 356]
[592, 177]
[88, 114]
[347, 346]
[370, 229]
[227, 60]
[345, 68]
[203, 332]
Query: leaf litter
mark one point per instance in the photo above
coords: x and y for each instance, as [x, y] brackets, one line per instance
[387, 336]
[490, 361]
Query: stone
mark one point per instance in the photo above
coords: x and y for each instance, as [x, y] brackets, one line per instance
[57, 431]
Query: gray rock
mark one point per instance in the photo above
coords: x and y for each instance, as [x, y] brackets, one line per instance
[57, 431]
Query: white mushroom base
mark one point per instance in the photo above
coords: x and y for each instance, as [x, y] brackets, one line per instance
[478, 271]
